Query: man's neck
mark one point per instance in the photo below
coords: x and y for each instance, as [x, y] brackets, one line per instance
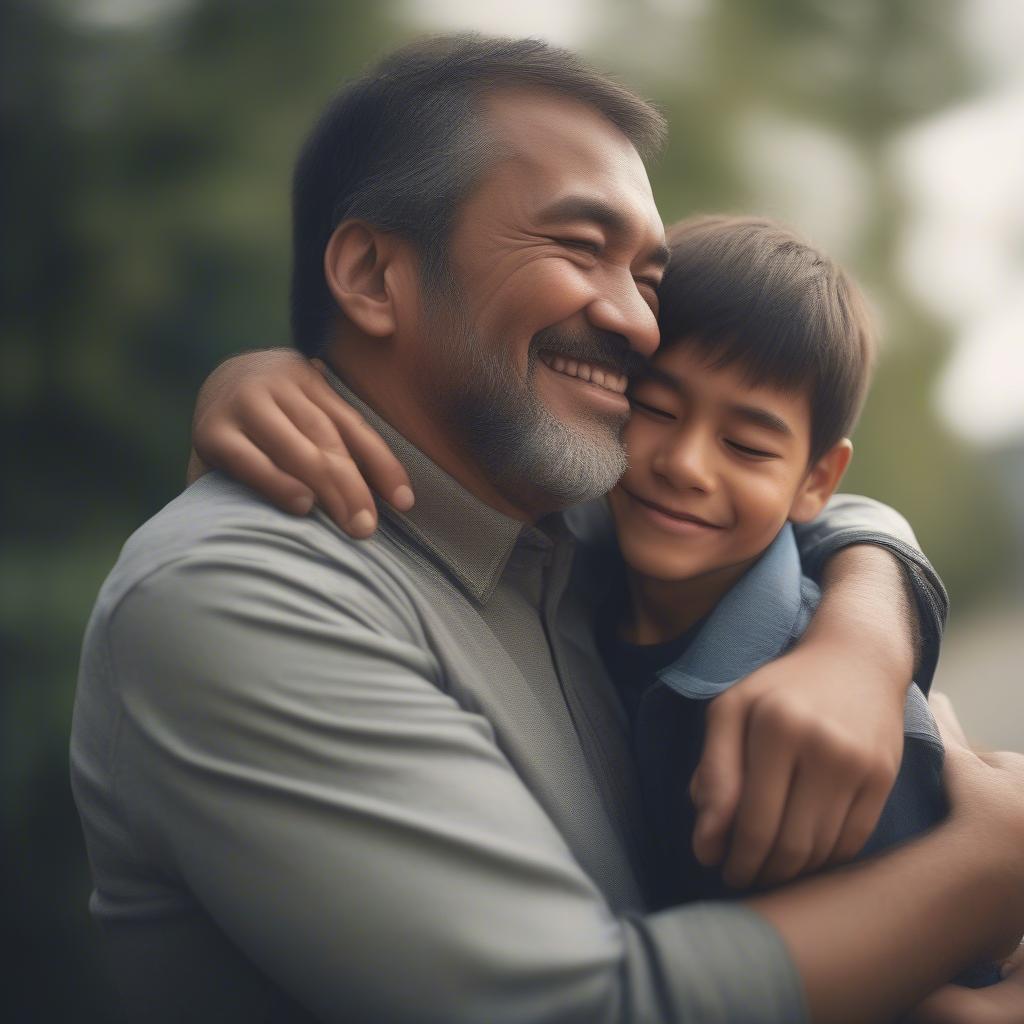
[657, 610]
[398, 404]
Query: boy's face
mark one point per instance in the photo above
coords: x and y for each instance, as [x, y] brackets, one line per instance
[716, 467]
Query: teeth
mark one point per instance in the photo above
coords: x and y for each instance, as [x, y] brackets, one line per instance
[585, 371]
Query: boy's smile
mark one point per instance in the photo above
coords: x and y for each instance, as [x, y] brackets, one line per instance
[717, 465]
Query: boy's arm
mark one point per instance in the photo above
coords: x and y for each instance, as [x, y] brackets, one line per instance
[850, 520]
[270, 420]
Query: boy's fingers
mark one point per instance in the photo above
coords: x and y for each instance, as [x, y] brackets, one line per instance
[863, 816]
[831, 819]
[310, 419]
[330, 474]
[336, 466]
[794, 844]
[384, 474]
[769, 774]
[718, 780]
[252, 467]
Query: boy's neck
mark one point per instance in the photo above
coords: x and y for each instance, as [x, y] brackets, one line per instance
[657, 611]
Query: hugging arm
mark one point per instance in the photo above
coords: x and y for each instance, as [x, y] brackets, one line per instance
[270, 420]
[800, 757]
[362, 839]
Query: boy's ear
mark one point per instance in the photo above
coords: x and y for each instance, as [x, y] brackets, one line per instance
[362, 268]
[820, 483]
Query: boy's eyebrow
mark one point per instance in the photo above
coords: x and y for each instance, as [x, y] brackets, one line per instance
[597, 211]
[762, 418]
[752, 413]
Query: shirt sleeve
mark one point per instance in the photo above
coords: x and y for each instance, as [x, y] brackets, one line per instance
[287, 752]
[851, 519]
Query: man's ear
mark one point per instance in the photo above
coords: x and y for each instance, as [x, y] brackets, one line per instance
[821, 481]
[361, 268]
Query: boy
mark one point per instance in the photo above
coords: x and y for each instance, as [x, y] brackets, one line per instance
[738, 429]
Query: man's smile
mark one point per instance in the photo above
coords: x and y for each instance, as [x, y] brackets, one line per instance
[592, 373]
[596, 385]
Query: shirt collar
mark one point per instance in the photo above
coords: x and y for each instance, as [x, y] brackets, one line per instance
[755, 622]
[467, 537]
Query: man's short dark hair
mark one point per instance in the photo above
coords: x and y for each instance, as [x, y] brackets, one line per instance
[403, 145]
[749, 292]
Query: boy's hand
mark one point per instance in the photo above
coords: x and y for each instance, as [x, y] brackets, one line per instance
[270, 420]
[798, 761]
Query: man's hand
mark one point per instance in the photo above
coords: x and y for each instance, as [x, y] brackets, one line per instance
[911, 918]
[1002, 1003]
[270, 420]
[797, 765]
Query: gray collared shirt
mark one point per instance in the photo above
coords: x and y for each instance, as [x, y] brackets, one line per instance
[381, 780]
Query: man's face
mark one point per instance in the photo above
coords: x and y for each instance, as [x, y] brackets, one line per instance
[715, 468]
[556, 257]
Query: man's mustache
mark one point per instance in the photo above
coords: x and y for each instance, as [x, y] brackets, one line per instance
[589, 346]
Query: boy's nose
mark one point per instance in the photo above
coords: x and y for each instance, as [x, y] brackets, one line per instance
[687, 466]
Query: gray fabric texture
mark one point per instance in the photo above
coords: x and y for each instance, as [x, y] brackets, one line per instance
[378, 780]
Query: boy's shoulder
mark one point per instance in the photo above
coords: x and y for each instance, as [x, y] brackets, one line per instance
[759, 618]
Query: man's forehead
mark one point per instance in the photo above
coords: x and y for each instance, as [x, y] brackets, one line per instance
[565, 148]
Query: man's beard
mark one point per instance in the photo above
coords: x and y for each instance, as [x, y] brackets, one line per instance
[520, 444]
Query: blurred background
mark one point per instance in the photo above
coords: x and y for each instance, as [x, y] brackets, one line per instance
[147, 151]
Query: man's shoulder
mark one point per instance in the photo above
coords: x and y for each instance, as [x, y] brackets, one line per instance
[220, 532]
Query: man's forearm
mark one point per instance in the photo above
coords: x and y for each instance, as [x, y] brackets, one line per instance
[873, 939]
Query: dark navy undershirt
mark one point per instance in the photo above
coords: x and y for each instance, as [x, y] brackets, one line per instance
[634, 667]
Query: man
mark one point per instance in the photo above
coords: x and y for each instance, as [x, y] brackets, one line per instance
[388, 780]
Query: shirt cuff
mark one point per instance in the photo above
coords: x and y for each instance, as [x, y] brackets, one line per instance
[717, 963]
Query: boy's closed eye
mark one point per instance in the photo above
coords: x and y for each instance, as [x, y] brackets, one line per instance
[651, 410]
[751, 453]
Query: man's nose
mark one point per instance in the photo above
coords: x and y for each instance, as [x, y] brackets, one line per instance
[626, 312]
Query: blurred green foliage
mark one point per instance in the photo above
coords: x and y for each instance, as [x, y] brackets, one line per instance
[145, 217]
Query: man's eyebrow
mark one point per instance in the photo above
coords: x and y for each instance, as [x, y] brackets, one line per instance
[751, 413]
[597, 211]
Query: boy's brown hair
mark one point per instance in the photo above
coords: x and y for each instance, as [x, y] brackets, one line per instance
[750, 292]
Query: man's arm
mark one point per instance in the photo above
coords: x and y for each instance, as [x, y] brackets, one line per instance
[287, 746]
[852, 964]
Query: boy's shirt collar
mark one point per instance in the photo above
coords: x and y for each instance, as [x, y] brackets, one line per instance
[756, 621]
[760, 618]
